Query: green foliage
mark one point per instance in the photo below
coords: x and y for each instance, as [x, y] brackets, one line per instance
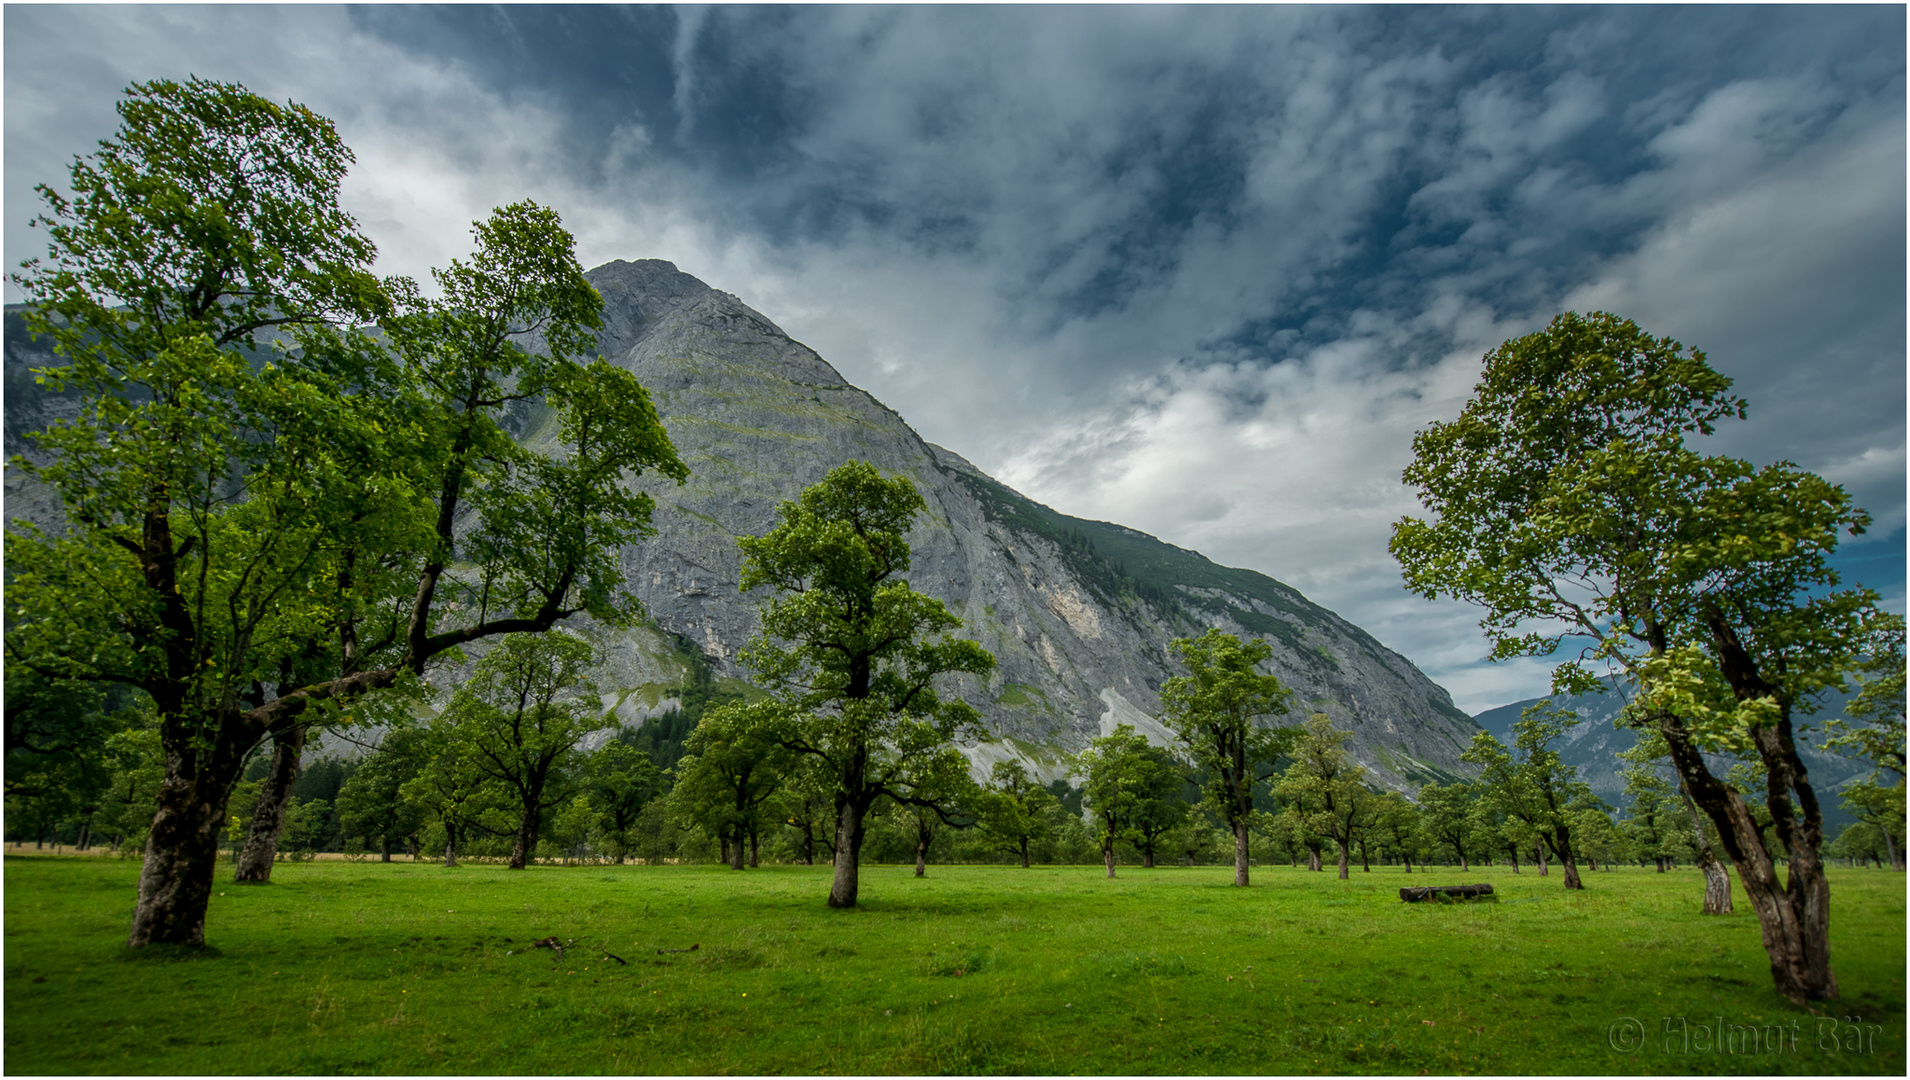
[517, 721]
[1530, 785]
[259, 539]
[1015, 812]
[1212, 710]
[851, 653]
[451, 792]
[1874, 733]
[371, 802]
[619, 781]
[59, 763]
[662, 737]
[1399, 826]
[1325, 790]
[731, 771]
[1567, 502]
[1131, 788]
[1116, 562]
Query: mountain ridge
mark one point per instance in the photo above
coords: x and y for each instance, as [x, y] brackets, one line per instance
[1078, 612]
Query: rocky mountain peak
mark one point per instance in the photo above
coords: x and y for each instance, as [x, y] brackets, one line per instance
[1078, 613]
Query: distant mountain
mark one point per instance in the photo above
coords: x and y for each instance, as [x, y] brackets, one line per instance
[1078, 613]
[1594, 744]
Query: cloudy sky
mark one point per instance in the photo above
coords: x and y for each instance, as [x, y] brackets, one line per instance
[1199, 271]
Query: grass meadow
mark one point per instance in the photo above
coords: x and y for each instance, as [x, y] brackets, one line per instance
[343, 967]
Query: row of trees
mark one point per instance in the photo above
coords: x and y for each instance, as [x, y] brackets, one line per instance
[625, 800]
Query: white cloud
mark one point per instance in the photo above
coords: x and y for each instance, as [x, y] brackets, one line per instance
[1015, 162]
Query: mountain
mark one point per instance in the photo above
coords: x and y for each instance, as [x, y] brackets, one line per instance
[1594, 744]
[1078, 613]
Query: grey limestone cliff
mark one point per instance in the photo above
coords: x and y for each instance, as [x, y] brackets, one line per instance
[1078, 613]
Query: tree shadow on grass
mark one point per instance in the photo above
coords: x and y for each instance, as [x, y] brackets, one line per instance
[169, 954]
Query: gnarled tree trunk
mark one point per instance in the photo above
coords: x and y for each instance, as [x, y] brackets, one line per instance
[1717, 881]
[268, 818]
[1794, 921]
[849, 828]
[182, 848]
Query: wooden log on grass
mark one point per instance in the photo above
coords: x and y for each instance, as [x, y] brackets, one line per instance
[1414, 894]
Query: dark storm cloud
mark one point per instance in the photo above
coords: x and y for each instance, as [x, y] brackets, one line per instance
[1199, 270]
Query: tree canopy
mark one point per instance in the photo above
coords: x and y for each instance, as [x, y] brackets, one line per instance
[1212, 709]
[1566, 501]
[263, 500]
[852, 652]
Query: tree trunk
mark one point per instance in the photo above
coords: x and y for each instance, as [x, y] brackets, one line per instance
[1794, 921]
[1545, 868]
[526, 845]
[1343, 859]
[384, 848]
[268, 818]
[842, 892]
[921, 856]
[754, 861]
[1717, 884]
[1313, 859]
[1107, 856]
[182, 850]
[450, 846]
[735, 846]
[1717, 881]
[1024, 853]
[725, 838]
[1241, 852]
[1366, 864]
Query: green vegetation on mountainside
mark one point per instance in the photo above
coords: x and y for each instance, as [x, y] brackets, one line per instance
[1117, 563]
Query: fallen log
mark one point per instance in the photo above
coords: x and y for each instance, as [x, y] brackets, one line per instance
[1414, 894]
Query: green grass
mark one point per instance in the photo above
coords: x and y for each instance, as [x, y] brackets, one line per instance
[410, 968]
